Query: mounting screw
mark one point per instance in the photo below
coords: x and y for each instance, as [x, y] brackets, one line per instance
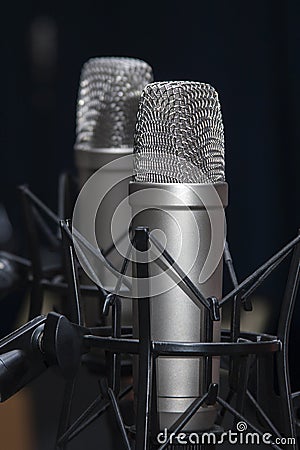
[214, 309]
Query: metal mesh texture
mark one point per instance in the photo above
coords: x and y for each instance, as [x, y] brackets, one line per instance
[109, 93]
[179, 135]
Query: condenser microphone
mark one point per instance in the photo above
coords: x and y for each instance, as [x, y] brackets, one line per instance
[109, 93]
[179, 192]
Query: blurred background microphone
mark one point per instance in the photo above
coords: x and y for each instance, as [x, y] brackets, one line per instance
[109, 93]
[244, 56]
[179, 192]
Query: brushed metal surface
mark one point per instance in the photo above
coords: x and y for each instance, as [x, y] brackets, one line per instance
[88, 163]
[185, 213]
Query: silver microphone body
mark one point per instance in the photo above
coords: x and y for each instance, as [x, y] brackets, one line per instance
[88, 163]
[180, 193]
[108, 97]
[174, 315]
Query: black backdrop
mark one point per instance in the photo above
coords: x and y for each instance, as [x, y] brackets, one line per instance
[248, 50]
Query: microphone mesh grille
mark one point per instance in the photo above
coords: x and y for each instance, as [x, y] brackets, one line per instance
[179, 135]
[109, 93]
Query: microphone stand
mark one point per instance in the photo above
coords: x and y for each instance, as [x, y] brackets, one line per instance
[57, 341]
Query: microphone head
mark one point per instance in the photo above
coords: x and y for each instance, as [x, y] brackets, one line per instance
[109, 93]
[179, 135]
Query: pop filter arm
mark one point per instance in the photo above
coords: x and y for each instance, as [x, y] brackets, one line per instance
[43, 342]
[21, 359]
[56, 341]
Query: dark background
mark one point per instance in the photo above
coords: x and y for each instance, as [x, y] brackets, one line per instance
[248, 50]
